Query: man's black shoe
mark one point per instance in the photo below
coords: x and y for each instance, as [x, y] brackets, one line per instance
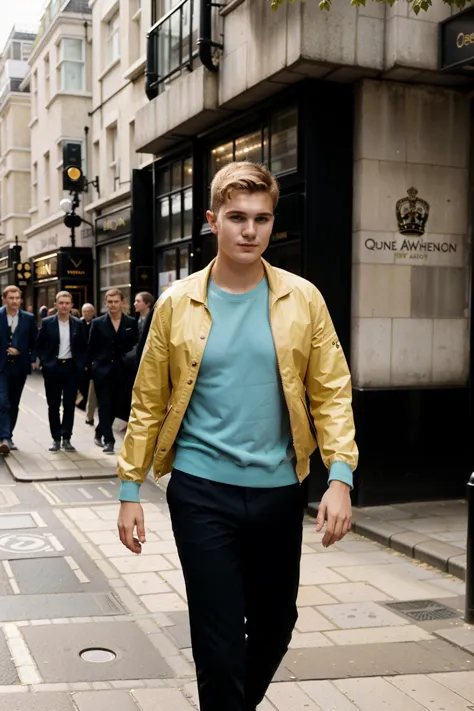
[56, 446]
[109, 448]
[4, 447]
[98, 441]
[67, 446]
[90, 422]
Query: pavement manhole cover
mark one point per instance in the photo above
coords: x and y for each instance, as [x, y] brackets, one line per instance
[423, 610]
[11, 521]
[98, 656]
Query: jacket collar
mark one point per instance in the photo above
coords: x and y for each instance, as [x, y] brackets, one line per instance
[276, 282]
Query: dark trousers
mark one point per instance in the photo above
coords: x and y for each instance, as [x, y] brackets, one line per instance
[109, 390]
[240, 551]
[12, 382]
[61, 384]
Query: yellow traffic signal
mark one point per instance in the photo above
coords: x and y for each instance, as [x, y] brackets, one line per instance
[74, 173]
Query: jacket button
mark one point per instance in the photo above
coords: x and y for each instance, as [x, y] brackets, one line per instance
[163, 449]
[190, 382]
[203, 337]
[194, 363]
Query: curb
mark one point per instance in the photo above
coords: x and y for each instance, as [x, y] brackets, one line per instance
[414, 545]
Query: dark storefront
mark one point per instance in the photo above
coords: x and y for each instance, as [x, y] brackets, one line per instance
[67, 269]
[15, 272]
[7, 270]
[124, 244]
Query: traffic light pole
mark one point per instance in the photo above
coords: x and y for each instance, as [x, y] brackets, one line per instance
[75, 204]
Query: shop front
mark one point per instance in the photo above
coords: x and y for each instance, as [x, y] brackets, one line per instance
[7, 270]
[67, 269]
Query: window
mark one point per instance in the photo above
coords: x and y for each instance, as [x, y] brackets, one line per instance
[274, 145]
[135, 32]
[47, 73]
[113, 39]
[174, 202]
[134, 158]
[113, 157]
[16, 50]
[47, 176]
[96, 158]
[114, 268]
[71, 67]
[34, 93]
[34, 185]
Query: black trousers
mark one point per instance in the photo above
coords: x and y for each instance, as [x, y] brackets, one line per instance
[111, 390]
[61, 384]
[240, 551]
[12, 382]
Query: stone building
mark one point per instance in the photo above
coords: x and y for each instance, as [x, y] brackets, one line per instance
[14, 151]
[365, 116]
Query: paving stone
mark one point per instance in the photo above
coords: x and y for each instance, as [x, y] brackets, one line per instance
[355, 592]
[166, 602]
[36, 702]
[397, 583]
[31, 607]
[457, 566]
[8, 674]
[105, 701]
[380, 531]
[310, 620]
[169, 699]
[461, 636]
[435, 553]
[146, 583]
[362, 614]
[427, 691]
[460, 682]
[365, 660]
[180, 632]
[141, 564]
[302, 640]
[290, 696]
[406, 541]
[45, 575]
[327, 696]
[56, 651]
[374, 694]
[309, 595]
[379, 635]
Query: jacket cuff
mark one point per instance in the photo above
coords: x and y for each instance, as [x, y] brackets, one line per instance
[129, 491]
[340, 471]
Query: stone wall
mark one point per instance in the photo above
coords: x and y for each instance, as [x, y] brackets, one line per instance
[410, 295]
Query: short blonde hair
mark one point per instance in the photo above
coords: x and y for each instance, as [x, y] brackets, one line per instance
[63, 295]
[242, 175]
[8, 289]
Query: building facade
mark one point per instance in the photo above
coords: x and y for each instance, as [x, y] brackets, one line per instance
[60, 85]
[14, 153]
[369, 132]
[123, 236]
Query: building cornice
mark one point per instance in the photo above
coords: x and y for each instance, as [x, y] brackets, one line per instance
[39, 227]
[61, 18]
[119, 196]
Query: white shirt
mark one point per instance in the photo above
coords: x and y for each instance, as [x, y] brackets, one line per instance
[64, 340]
[12, 321]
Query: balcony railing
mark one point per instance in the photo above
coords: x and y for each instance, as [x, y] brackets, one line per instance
[172, 46]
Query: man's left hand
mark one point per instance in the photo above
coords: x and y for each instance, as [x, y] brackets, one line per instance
[13, 352]
[335, 507]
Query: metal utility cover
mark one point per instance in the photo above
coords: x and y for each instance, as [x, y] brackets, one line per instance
[56, 650]
[37, 576]
[48, 607]
[423, 610]
[8, 673]
[11, 521]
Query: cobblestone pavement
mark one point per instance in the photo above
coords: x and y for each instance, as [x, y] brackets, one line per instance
[67, 586]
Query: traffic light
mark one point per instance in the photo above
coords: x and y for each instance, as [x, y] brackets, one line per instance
[73, 175]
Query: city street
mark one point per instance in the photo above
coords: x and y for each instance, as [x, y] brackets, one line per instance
[86, 626]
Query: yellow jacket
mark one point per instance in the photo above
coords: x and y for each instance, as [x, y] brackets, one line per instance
[310, 360]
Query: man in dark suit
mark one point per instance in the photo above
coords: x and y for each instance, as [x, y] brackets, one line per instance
[62, 349]
[111, 344]
[85, 387]
[17, 357]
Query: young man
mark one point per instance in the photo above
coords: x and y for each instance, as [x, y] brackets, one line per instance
[143, 304]
[112, 337]
[62, 350]
[233, 354]
[86, 387]
[17, 356]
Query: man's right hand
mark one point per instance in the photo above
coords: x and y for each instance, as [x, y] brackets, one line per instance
[130, 516]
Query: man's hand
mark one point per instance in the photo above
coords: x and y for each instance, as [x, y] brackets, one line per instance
[131, 515]
[335, 506]
[13, 352]
[34, 366]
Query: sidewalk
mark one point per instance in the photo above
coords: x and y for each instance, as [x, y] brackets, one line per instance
[375, 628]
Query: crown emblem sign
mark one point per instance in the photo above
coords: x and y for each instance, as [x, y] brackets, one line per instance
[412, 214]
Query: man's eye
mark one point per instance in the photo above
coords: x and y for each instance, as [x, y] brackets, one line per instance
[262, 219]
[236, 218]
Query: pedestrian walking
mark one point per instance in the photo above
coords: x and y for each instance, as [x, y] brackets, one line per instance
[234, 354]
[17, 357]
[62, 350]
[112, 338]
[143, 305]
[86, 387]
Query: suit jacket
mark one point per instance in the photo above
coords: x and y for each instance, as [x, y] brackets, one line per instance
[48, 343]
[24, 340]
[108, 348]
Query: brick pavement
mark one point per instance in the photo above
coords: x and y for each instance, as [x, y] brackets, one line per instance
[350, 650]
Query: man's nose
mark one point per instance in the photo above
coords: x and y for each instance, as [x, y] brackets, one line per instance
[249, 231]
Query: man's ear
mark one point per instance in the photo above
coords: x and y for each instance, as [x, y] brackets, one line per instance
[212, 219]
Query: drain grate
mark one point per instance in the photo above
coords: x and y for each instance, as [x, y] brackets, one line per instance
[110, 604]
[423, 610]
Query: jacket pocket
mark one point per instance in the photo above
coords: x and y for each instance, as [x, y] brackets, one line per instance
[164, 422]
[310, 420]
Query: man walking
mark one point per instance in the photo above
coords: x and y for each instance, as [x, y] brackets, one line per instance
[234, 354]
[86, 387]
[17, 356]
[62, 350]
[143, 304]
[112, 337]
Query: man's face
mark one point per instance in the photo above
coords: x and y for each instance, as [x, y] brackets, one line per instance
[64, 305]
[243, 225]
[140, 306]
[114, 305]
[13, 300]
[88, 313]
